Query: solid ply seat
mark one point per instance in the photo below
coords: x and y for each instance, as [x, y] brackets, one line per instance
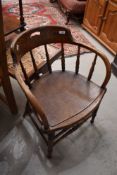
[67, 95]
[61, 100]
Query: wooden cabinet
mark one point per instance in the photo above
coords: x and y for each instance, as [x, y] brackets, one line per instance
[108, 31]
[93, 13]
[100, 20]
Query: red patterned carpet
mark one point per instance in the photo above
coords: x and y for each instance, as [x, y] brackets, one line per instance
[42, 12]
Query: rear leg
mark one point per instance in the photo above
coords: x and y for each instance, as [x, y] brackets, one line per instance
[94, 115]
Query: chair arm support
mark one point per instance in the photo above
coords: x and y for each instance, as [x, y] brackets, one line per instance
[31, 97]
[104, 59]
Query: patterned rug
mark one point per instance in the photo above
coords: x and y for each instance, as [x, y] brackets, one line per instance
[42, 12]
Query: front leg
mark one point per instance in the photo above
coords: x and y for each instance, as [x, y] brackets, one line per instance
[50, 145]
[68, 17]
[94, 115]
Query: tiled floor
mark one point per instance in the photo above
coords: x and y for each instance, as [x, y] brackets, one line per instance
[91, 150]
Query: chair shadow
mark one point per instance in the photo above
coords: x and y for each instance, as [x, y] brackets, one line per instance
[71, 151]
[17, 148]
[23, 150]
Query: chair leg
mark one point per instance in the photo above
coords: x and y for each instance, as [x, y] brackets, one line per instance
[50, 149]
[94, 115]
[50, 145]
[68, 17]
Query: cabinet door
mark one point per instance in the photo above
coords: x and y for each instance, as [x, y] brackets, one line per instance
[93, 15]
[109, 28]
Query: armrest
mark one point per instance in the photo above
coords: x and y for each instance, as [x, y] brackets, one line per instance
[33, 101]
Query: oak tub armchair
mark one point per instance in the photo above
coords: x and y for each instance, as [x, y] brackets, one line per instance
[61, 100]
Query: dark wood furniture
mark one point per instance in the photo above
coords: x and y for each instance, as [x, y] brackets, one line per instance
[8, 25]
[100, 20]
[4, 75]
[72, 8]
[61, 100]
[12, 24]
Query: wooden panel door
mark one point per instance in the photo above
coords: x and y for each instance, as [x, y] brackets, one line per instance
[93, 15]
[109, 28]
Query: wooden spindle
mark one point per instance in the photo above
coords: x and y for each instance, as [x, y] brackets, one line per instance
[62, 57]
[48, 60]
[25, 75]
[34, 64]
[92, 68]
[78, 60]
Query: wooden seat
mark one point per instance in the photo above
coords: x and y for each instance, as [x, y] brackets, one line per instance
[61, 100]
[68, 92]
